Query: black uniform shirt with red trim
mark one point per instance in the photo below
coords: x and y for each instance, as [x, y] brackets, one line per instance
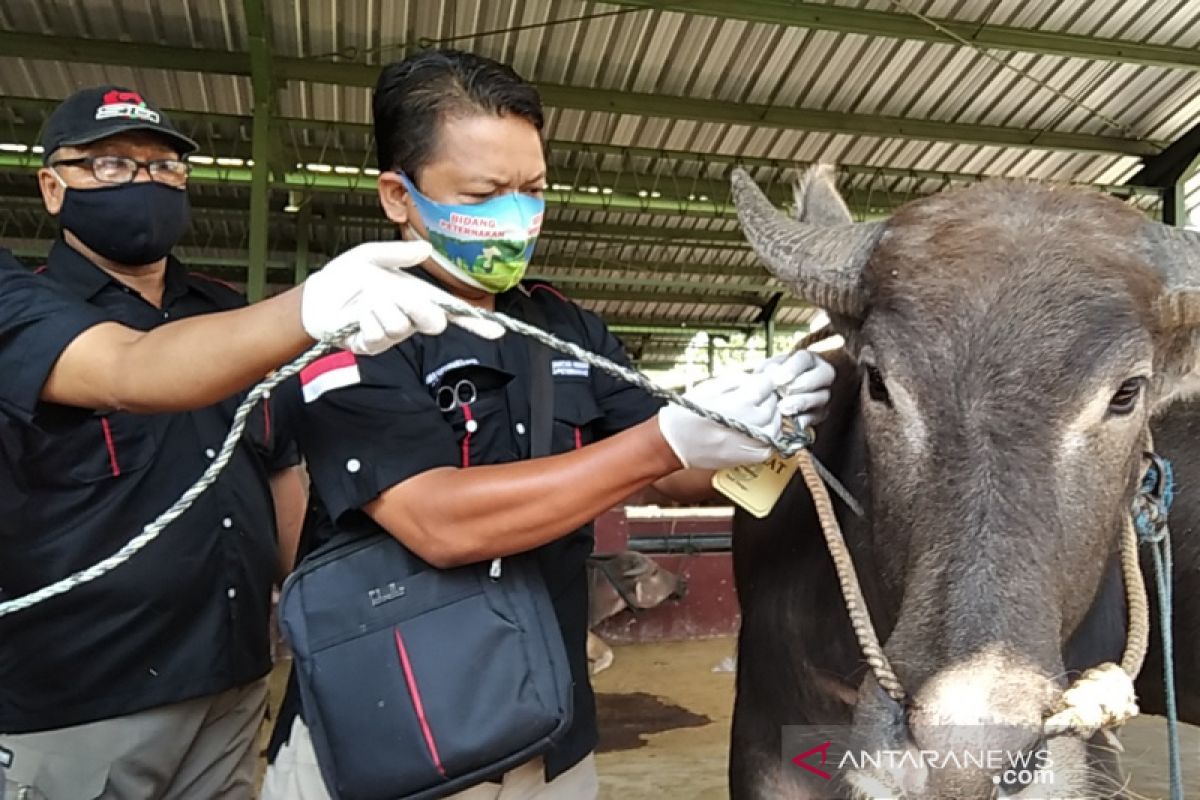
[367, 424]
[37, 322]
[188, 615]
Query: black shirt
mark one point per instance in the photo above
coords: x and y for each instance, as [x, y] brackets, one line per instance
[36, 325]
[366, 424]
[186, 616]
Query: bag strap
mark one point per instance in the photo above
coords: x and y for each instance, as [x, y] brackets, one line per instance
[541, 390]
[541, 394]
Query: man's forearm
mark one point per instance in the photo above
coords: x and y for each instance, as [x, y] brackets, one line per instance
[179, 366]
[687, 486]
[458, 516]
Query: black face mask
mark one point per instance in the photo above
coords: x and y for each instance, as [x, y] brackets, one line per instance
[133, 224]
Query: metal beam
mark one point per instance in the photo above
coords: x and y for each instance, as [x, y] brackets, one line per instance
[810, 119]
[666, 268]
[599, 149]
[654, 286]
[819, 16]
[366, 217]
[699, 205]
[1164, 169]
[673, 298]
[660, 326]
[38, 46]
[305, 154]
[279, 272]
[262, 81]
[588, 287]
[667, 331]
[234, 269]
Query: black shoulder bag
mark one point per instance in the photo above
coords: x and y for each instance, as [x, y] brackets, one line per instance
[416, 682]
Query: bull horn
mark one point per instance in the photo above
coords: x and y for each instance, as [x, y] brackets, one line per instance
[821, 263]
[1175, 253]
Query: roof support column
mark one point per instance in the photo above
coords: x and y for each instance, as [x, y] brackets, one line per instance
[1169, 171]
[767, 318]
[262, 81]
[260, 197]
[303, 228]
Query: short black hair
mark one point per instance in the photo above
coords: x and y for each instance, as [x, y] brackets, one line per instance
[414, 95]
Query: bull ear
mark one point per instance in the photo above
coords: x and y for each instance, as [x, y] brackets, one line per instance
[817, 198]
[1175, 253]
[821, 263]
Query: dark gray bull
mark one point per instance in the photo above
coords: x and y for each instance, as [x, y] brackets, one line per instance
[1007, 347]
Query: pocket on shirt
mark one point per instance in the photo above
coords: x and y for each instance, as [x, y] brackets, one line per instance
[483, 389]
[575, 414]
[94, 448]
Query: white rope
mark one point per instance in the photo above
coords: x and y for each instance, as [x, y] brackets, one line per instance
[185, 501]
[786, 446]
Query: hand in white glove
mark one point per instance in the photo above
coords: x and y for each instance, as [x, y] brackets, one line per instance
[804, 379]
[367, 285]
[700, 443]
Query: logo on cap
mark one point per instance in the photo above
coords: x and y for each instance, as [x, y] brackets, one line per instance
[126, 105]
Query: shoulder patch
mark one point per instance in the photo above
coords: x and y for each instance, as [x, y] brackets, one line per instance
[570, 368]
[433, 377]
[334, 371]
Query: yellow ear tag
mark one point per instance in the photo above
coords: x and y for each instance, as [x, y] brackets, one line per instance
[756, 487]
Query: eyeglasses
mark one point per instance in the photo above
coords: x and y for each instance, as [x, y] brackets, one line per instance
[119, 169]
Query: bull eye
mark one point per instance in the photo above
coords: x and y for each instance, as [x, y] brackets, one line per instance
[1125, 400]
[876, 388]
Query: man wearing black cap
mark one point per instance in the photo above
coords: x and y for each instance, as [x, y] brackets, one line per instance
[148, 682]
[116, 179]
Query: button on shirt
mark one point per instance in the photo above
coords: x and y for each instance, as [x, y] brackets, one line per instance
[366, 424]
[188, 615]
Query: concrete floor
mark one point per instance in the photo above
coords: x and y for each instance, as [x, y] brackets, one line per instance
[665, 711]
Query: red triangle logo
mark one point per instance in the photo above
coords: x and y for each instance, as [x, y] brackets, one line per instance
[802, 760]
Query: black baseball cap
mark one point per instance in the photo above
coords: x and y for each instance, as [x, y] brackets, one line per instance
[102, 111]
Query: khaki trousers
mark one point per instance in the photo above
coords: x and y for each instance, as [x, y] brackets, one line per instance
[200, 749]
[296, 776]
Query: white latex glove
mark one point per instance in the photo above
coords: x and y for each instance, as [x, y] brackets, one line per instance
[367, 285]
[804, 380]
[706, 445]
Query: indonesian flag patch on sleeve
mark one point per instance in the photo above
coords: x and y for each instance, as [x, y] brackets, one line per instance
[331, 372]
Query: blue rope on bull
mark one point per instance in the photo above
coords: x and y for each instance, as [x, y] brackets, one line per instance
[1152, 507]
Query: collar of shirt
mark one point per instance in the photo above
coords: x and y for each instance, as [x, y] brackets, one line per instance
[81, 277]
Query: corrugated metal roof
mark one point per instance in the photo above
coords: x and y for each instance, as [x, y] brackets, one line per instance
[610, 47]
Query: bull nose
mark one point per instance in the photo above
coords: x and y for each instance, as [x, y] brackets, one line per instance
[970, 731]
[680, 590]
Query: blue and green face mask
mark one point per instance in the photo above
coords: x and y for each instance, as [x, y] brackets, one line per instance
[487, 245]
